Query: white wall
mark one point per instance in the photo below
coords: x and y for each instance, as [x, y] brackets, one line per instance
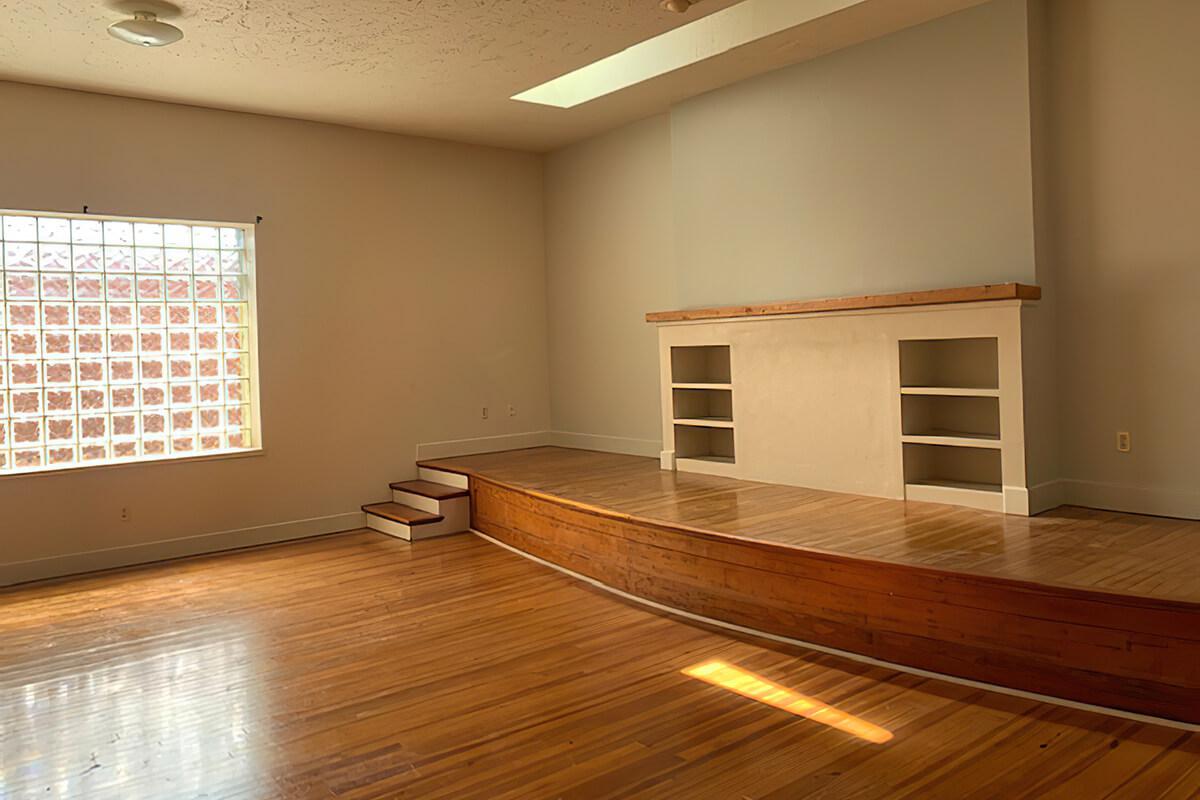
[1042, 142]
[902, 163]
[608, 234]
[896, 164]
[401, 285]
[1126, 200]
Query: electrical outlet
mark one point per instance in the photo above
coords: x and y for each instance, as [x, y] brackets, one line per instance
[512, 410]
[1124, 444]
[124, 514]
[485, 413]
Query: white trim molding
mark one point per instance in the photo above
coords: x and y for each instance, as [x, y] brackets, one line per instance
[482, 444]
[165, 549]
[1016, 500]
[1045, 496]
[1179, 503]
[650, 448]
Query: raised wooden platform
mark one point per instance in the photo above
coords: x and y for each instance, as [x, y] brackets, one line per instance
[1092, 606]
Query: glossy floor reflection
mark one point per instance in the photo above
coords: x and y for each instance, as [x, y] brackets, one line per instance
[179, 706]
[756, 687]
[358, 666]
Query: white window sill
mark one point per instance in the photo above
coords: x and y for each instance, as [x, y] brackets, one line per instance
[139, 462]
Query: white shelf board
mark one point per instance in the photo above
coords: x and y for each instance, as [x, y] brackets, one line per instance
[705, 422]
[707, 459]
[953, 439]
[949, 391]
[702, 386]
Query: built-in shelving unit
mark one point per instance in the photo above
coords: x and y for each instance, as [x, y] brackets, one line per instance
[935, 395]
[702, 404]
[950, 417]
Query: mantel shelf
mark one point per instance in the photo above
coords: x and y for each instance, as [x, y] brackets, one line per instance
[963, 294]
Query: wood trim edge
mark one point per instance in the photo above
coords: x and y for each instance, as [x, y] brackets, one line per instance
[963, 294]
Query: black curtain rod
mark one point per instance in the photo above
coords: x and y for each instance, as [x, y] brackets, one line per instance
[257, 219]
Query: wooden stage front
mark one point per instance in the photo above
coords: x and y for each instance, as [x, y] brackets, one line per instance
[1092, 606]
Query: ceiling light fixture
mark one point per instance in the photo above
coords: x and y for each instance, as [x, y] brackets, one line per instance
[146, 30]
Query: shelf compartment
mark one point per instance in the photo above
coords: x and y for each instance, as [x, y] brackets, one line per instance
[951, 420]
[703, 405]
[939, 473]
[704, 443]
[701, 364]
[971, 363]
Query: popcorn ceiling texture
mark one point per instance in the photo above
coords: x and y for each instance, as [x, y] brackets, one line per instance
[436, 67]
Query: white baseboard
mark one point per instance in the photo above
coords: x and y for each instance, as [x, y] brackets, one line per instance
[1016, 500]
[520, 441]
[1045, 496]
[110, 558]
[607, 444]
[482, 444]
[1132, 499]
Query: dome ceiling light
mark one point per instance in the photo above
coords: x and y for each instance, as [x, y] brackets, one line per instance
[146, 30]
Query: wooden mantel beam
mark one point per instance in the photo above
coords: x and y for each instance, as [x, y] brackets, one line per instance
[963, 294]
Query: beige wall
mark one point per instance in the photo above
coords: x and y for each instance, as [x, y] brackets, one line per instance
[609, 237]
[401, 286]
[902, 163]
[1125, 189]
[1062, 133]
[403, 282]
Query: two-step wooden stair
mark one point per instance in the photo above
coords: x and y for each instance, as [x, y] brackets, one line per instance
[436, 504]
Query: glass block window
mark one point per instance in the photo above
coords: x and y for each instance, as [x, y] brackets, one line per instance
[123, 340]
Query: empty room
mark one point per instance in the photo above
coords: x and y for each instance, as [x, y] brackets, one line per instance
[538, 399]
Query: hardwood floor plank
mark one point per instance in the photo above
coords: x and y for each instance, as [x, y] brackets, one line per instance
[360, 666]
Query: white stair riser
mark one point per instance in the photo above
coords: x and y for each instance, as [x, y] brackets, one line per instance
[412, 533]
[416, 501]
[456, 510]
[442, 477]
[390, 527]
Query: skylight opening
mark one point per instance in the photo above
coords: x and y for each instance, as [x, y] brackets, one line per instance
[696, 41]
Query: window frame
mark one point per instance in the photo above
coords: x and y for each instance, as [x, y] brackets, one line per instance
[250, 257]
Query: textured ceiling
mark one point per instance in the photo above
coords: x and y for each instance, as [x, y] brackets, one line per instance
[442, 68]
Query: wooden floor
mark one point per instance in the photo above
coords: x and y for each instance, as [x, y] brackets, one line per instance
[1075, 547]
[360, 666]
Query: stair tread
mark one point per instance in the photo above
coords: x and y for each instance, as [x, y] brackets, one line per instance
[398, 512]
[434, 491]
